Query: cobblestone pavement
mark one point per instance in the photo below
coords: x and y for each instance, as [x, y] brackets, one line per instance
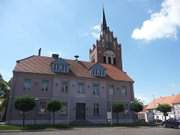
[104, 131]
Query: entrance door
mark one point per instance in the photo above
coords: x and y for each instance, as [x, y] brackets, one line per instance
[80, 111]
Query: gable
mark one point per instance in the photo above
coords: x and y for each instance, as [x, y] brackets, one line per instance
[97, 70]
[59, 66]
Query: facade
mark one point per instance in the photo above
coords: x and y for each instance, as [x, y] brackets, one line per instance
[87, 88]
[151, 114]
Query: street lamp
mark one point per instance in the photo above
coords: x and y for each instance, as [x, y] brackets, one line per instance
[36, 109]
[111, 111]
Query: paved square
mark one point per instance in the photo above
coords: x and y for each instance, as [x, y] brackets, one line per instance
[104, 131]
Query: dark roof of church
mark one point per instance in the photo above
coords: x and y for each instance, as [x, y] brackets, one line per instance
[42, 65]
[104, 24]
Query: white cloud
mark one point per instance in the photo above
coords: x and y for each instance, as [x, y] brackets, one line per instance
[95, 31]
[162, 24]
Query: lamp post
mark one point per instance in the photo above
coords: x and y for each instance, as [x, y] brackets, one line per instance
[36, 109]
[111, 95]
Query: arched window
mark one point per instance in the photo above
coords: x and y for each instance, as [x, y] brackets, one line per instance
[109, 60]
[114, 61]
[109, 57]
[104, 59]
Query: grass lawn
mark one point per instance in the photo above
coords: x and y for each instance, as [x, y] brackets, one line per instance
[32, 127]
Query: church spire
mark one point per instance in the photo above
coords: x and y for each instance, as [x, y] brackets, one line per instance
[104, 24]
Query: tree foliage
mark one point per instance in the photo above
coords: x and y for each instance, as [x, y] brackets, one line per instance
[136, 106]
[164, 108]
[24, 104]
[4, 94]
[4, 88]
[54, 106]
[117, 108]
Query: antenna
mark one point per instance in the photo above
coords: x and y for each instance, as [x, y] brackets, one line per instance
[76, 57]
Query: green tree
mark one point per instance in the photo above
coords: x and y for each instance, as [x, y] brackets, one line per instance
[54, 106]
[4, 88]
[4, 95]
[164, 108]
[24, 104]
[117, 108]
[136, 106]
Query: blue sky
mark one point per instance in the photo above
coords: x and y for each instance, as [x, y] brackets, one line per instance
[149, 31]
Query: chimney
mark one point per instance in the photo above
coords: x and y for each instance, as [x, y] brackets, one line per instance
[55, 56]
[39, 52]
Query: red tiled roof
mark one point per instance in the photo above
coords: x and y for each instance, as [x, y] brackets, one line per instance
[42, 65]
[163, 100]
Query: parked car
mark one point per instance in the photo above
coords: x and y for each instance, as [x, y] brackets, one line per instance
[171, 123]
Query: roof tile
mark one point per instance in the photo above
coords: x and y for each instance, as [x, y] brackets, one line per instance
[41, 65]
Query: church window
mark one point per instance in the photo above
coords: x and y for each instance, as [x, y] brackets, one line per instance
[109, 60]
[104, 59]
[114, 61]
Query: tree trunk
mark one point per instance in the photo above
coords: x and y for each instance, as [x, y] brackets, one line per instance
[165, 119]
[23, 118]
[53, 118]
[117, 118]
[6, 107]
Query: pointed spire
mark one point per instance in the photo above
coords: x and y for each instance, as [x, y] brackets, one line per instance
[104, 24]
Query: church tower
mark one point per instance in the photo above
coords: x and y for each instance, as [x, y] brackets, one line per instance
[107, 49]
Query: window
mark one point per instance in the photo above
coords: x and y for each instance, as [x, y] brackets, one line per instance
[109, 60]
[96, 90]
[111, 90]
[118, 92]
[63, 110]
[96, 109]
[98, 71]
[45, 84]
[124, 91]
[104, 59]
[65, 87]
[60, 66]
[27, 84]
[114, 61]
[43, 106]
[81, 89]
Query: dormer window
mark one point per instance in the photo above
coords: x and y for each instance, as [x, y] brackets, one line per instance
[98, 71]
[60, 66]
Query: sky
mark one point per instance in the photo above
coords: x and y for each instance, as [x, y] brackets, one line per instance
[149, 31]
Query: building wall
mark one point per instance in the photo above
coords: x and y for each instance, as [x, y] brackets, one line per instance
[107, 42]
[177, 110]
[157, 115]
[70, 98]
